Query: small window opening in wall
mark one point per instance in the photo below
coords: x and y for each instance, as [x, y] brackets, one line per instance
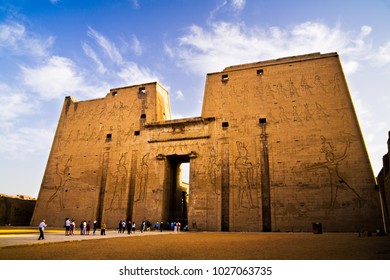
[260, 72]
[262, 121]
[225, 124]
[114, 93]
[225, 78]
[143, 116]
[136, 133]
[108, 137]
[142, 90]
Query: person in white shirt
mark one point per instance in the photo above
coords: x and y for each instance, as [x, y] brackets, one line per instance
[67, 226]
[42, 226]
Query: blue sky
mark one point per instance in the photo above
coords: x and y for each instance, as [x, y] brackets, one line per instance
[50, 49]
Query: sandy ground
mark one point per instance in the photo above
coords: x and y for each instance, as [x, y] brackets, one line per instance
[208, 246]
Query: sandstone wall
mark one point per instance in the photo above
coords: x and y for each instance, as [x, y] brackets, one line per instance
[16, 211]
[277, 148]
[296, 112]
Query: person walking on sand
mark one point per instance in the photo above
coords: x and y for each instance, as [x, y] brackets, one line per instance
[42, 226]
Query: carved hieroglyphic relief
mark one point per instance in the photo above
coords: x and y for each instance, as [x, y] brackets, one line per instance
[67, 185]
[142, 176]
[319, 85]
[63, 179]
[333, 160]
[306, 88]
[301, 113]
[247, 193]
[119, 183]
[239, 174]
[293, 90]
[269, 93]
[212, 170]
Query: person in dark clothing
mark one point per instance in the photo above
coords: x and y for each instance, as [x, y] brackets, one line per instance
[88, 227]
[120, 226]
[128, 227]
[94, 226]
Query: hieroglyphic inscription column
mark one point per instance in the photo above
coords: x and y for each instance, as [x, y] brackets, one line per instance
[103, 181]
[133, 173]
[225, 187]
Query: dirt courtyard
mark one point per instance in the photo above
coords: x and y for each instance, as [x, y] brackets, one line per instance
[211, 246]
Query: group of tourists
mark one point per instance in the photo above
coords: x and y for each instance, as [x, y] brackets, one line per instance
[123, 226]
[85, 227]
[129, 226]
[147, 225]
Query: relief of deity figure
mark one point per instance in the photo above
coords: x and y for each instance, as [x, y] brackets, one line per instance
[119, 182]
[64, 179]
[143, 179]
[246, 171]
[331, 164]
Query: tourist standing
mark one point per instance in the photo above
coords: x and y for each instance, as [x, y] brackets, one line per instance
[94, 226]
[84, 226]
[88, 227]
[123, 226]
[120, 226]
[72, 226]
[42, 226]
[103, 229]
[133, 227]
[67, 226]
[128, 227]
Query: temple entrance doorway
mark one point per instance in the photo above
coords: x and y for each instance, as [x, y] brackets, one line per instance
[177, 189]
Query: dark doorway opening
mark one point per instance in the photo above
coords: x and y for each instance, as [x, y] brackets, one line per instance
[176, 192]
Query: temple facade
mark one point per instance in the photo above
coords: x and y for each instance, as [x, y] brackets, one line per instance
[277, 147]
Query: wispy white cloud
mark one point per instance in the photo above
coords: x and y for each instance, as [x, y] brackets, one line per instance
[18, 141]
[169, 51]
[132, 74]
[124, 71]
[107, 46]
[179, 95]
[136, 4]
[22, 142]
[136, 46]
[203, 50]
[16, 40]
[92, 54]
[13, 104]
[383, 55]
[57, 77]
[226, 7]
[238, 4]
